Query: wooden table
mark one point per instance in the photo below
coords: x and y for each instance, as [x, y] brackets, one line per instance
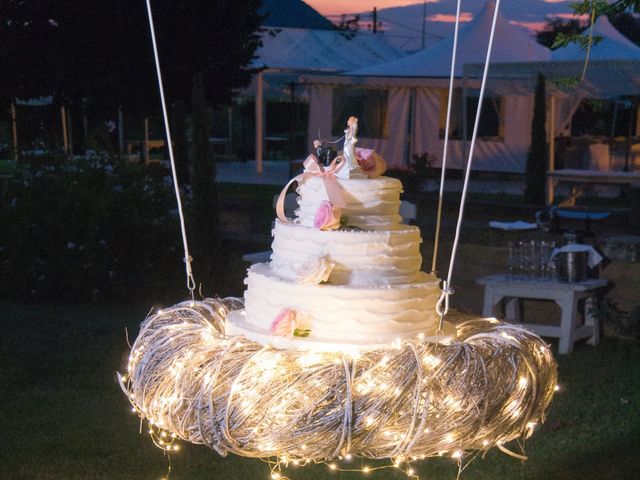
[582, 177]
[568, 296]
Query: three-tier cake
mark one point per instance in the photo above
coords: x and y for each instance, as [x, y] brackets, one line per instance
[346, 270]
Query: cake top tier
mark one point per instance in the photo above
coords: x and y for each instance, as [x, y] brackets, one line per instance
[345, 190]
[369, 204]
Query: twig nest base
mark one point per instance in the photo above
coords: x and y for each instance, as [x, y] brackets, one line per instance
[411, 399]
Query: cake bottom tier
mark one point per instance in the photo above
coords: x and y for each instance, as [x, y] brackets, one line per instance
[342, 313]
[236, 324]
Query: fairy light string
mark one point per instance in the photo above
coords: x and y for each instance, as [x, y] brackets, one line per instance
[410, 401]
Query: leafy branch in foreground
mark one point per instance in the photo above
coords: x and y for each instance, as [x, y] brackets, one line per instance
[586, 39]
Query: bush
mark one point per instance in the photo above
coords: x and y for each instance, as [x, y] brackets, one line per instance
[88, 229]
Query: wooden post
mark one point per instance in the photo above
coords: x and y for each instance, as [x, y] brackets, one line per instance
[120, 131]
[69, 132]
[85, 130]
[145, 145]
[552, 149]
[14, 130]
[375, 20]
[413, 117]
[464, 119]
[259, 112]
[424, 24]
[230, 131]
[65, 138]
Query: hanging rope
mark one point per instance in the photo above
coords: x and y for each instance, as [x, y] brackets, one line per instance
[443, 304]
[446, 140]
[191, 284]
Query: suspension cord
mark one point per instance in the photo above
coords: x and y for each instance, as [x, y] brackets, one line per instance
[446, 141]
[191, 284]
[443, 304]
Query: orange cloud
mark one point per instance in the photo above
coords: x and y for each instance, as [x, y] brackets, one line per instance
[336, 7]
[446, 18]
[571, 16]
[533, 27]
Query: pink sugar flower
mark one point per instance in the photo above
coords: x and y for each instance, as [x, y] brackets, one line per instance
[327, 217]
[285, 323]
[371, 162]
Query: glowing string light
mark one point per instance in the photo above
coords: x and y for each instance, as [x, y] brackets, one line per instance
[414, 401]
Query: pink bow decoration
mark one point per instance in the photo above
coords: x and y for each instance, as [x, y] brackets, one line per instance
[313, 168]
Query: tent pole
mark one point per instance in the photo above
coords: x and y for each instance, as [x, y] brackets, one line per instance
[259, 111]
[14, 130]
[411, 128]
[464, 119]
[552, 149]
[65, 138]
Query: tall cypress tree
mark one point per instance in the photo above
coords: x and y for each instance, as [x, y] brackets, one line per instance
[204, 211]
[537, 161]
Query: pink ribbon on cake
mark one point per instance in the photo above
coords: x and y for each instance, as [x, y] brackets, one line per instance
[312, 168]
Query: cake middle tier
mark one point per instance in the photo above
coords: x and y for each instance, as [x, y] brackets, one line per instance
[382, 257]
[343, 313]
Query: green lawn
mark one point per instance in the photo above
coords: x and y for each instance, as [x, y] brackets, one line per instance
[64, 417]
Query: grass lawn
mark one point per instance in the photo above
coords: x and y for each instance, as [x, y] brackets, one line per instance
[64, 417]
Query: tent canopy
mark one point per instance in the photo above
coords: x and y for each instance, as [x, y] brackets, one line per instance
[603, 78]
[306, 50]
[511, 44]
[613, 46]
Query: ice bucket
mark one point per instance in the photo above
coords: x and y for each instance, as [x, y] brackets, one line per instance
[572, 266]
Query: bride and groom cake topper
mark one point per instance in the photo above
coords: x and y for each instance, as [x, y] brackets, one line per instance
[353, 162]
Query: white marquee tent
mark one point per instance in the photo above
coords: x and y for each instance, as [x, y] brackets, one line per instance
[288, 52]
[416, 87]
[613, 46]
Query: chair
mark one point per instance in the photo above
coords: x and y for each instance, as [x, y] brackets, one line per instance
[408, 212]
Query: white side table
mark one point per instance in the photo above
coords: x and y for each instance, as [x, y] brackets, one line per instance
[567, 295]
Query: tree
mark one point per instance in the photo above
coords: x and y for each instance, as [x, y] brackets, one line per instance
[536, 169]
[627, 24]
[26, 49]
[554, 26]
[204, 205]
[100, 52]
[594, 8]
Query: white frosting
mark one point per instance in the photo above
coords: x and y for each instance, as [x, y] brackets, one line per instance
[371, 204]
[361, 257]
[342, 313]
[237, 325]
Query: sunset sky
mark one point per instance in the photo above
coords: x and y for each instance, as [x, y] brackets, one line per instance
[332, 7]
[402, 19]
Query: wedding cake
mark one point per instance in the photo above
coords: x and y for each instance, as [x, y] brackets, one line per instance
[345, 270]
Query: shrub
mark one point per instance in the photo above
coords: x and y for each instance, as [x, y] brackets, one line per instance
[88, 229]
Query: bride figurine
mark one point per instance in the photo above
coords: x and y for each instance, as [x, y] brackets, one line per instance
[351, 169]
